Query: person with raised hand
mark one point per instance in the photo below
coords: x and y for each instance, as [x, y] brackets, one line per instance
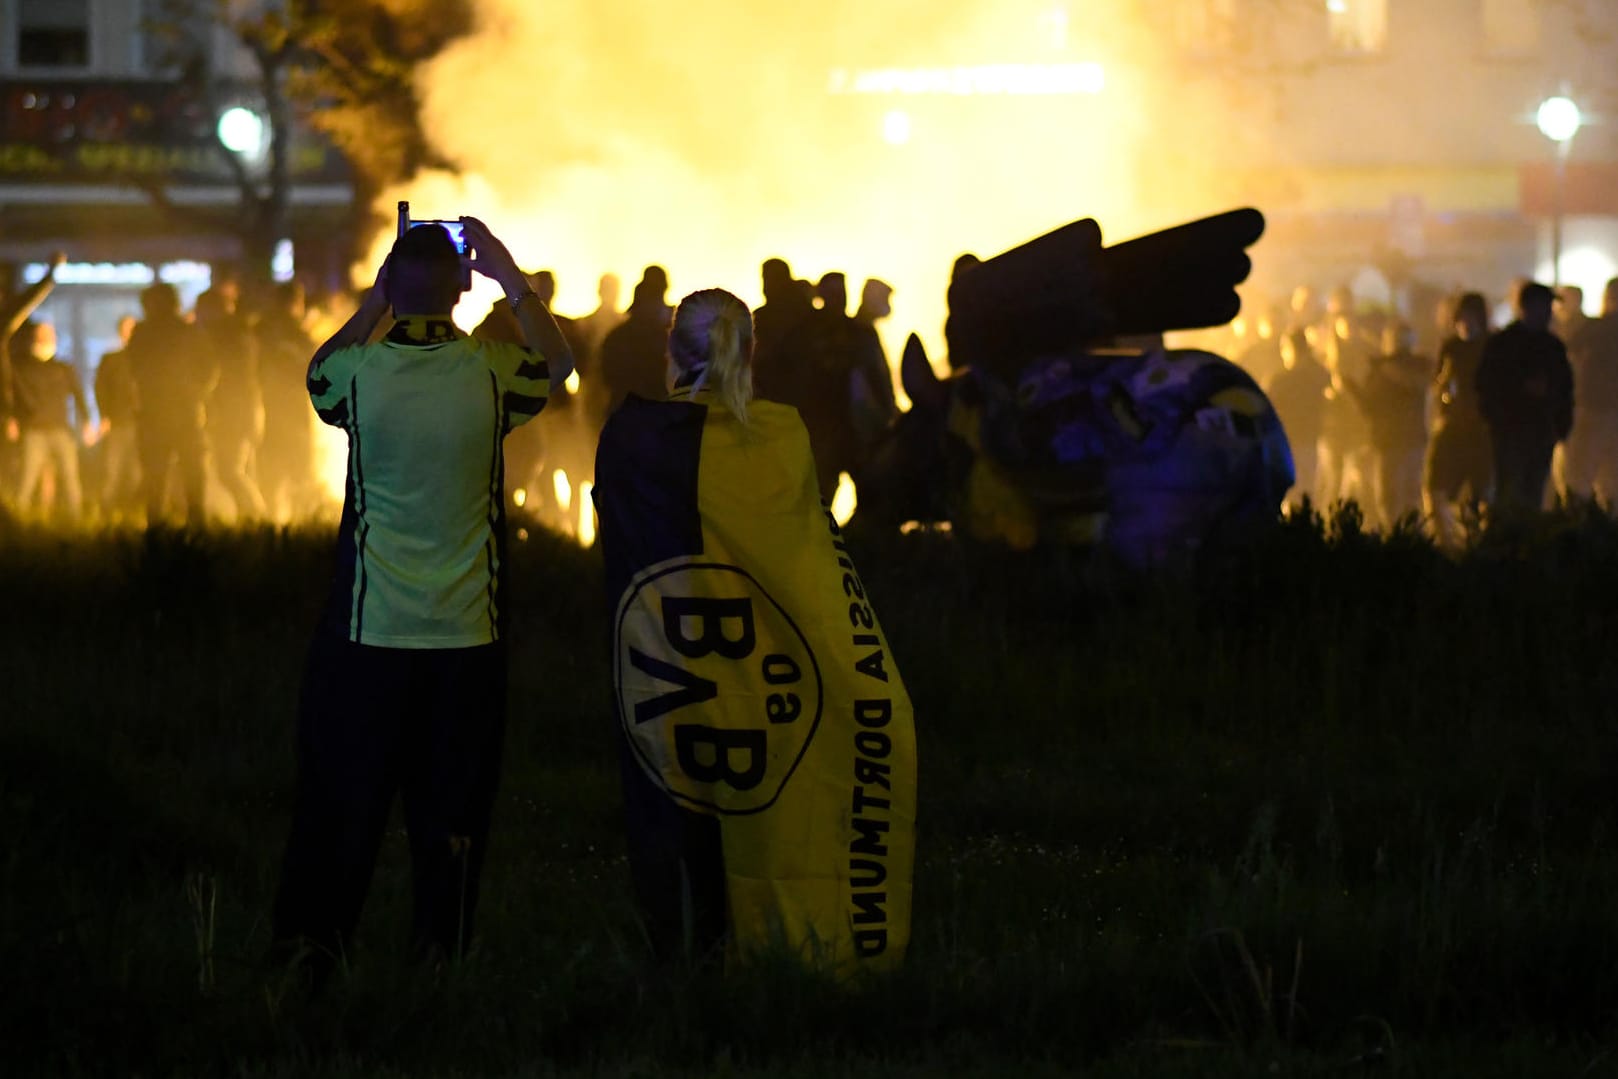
[405, 687]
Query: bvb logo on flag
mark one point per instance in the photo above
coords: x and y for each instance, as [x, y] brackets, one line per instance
[718, 690]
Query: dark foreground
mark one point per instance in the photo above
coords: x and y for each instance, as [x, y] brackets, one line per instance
[1340, 807]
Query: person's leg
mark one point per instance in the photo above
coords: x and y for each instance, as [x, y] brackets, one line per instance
[235, 472]
[35, 453]
[1522, 470]
[1563, 473]
[1603, 462]
[1303, 469]
[451, 772]
[126, 490]
[272, 473]
[65, 452]
[156, 449]
[1520, 482]
[1408, 498]
[1384, 463]
[1438, 490]
[1328, 474]
[676, 866]
[1505, 476]
[1537, 459]
[193, 464]
[349, 735]
[113, 449]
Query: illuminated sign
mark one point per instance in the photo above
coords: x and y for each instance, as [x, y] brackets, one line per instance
[122, 273]
[981, 80]
[106, 130]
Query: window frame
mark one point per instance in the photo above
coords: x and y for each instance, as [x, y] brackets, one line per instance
[11, 46]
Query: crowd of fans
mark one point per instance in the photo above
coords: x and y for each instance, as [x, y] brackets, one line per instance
[811, 353]
[203, 415]
[1438, 415]
[210, 399]
[1442, 418]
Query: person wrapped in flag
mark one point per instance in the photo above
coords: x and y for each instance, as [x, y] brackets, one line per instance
[406, 680]
[767, 740]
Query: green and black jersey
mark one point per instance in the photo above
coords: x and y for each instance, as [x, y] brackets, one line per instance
[421, 544]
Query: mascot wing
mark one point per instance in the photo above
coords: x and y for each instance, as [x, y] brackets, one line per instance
[1063, 290]
[1183, 278]
[1042, 297]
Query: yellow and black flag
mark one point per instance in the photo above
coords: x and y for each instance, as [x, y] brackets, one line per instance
[767, 738]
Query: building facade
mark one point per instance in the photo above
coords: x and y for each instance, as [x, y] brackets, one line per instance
[114, 158]
[1397, 138]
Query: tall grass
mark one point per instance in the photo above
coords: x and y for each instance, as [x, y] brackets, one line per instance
[1335, 802]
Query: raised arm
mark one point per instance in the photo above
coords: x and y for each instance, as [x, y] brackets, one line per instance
[31, 298]
[539, 330]
[360, 325]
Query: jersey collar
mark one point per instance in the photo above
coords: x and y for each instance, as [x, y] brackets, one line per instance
[424, 330]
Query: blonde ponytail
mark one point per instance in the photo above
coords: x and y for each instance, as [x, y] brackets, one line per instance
[728, 366]
[711, 342]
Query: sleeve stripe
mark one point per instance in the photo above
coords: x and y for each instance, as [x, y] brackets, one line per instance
[537, 370]
[524, 403]
[336, 416]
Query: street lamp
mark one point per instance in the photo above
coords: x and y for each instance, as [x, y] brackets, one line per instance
[241, 130]
[1559, 120]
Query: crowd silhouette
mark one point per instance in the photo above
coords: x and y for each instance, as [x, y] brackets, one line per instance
[212, 398]
[1425, 413]
[1437, 415]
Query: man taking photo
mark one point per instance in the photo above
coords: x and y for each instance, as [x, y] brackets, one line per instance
[406, 680]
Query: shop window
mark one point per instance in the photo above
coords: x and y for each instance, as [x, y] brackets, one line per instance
[1357, 27]
[1510, 27]
[53, 33]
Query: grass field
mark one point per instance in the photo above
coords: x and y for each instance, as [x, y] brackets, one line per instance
[1337, 806]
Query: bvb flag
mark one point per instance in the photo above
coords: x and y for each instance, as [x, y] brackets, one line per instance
[767, 738]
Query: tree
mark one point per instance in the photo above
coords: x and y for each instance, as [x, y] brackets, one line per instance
[340, 67]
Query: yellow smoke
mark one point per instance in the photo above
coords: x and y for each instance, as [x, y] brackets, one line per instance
[604, 135]
[880, 139]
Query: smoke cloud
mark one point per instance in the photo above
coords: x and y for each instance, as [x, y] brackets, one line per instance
[707, 136]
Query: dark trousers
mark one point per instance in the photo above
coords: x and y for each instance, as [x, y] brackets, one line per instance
[162, 442]
[1522, 465]
[677, 867]
[373, 721]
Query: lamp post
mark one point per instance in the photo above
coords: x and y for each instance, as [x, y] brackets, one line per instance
[1559, 120]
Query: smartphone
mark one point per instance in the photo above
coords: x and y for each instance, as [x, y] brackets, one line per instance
[456, 230]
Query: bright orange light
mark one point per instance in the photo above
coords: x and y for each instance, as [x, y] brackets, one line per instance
[564, 490]
[587, 515]
[520, 496]
[845, 501]
[331, 461]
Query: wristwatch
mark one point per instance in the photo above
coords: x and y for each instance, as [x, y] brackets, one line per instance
[520, 297]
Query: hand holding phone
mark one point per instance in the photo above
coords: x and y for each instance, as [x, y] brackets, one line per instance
[491, 258]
